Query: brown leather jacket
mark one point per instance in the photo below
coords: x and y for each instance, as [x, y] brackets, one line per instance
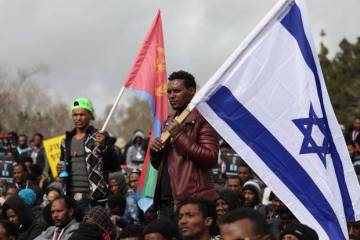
[190, 156]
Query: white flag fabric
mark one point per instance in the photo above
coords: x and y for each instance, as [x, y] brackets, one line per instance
[269, 102]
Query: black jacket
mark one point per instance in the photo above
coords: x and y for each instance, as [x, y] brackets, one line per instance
[28, 228]
[100, 163]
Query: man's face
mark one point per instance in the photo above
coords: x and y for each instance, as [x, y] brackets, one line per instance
[276, 204]
[244, 174]
[81, 118]
[179, 96]
[113, 186]
[191, 222]
[22, 141]
[356, 124]
[240, 229]
[12, 217]
[289, 237]
[61, 215]
[221, 207]
[354, 230]
[133, 180]
[233, 184]
[19, 174]
[249, 198]
[154, 236]
[52, 195]
[37, 141]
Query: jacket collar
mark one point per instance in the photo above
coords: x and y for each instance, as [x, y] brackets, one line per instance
[71, 133]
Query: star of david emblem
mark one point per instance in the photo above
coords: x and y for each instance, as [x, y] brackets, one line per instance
[307, 127]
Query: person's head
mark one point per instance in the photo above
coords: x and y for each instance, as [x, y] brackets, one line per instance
[38, 139]
[252, 193]
[228, 201]
[132, 232]
[82, 112]
[275, 202]
[22, 140]
[244, 223]
[52, 194]
[63, 211]
[28, 161]
[354, 230]
[197, 218]
[8, 231]
[89, 231]
[233, 183]
[19, 173]
[244, 172]
[356, 123]
[286, 217]
[134, 179]
[117, 183]
[10, 191]
[117, 204]
[161, 229]
[138, 137]
[17, 212]
[181, 89]
[100, 216]
[298, 231]
[29, 196]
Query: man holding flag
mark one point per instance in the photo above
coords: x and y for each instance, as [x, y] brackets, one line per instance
[185, 161]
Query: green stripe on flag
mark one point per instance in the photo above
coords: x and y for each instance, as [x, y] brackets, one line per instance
[148, 188]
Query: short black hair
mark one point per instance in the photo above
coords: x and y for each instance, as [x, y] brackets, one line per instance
[233, 177]
[189, 79]
[257, 219]
[163, 226]
[39, 135]
[206, 207]
[69, 201]
[18, 164]
[23, 135]
[10, 228]
[242, 163]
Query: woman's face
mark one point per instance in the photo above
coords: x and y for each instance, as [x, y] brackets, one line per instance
[222, 207]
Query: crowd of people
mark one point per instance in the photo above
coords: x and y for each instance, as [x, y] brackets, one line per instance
[98, 198]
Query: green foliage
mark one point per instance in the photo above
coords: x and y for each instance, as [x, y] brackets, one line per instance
[342, 76]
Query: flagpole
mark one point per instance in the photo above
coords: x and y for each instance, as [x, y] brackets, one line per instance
[113, 109]
[274, 14]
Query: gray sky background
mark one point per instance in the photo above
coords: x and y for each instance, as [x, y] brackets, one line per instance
[89, 45]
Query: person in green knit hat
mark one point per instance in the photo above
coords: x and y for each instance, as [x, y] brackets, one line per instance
[87, 157]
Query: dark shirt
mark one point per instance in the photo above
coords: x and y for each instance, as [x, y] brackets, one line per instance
[166, 194]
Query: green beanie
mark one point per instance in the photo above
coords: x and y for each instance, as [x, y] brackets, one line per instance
[83, 103]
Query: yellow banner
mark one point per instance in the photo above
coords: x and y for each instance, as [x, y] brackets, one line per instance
[52, 150]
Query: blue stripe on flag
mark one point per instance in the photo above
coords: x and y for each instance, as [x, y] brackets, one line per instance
[276, 157]
[294, 24]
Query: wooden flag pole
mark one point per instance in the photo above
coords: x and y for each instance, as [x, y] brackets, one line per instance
[113, 109]
[166, 135]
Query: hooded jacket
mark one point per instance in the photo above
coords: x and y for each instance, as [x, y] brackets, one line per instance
[120, 179]
[28, 228]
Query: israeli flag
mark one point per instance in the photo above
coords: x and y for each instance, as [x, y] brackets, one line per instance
[269, 102]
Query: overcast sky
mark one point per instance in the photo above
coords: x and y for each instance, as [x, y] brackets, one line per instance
[89, 45]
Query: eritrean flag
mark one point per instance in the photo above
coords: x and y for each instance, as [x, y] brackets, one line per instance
[148, 79]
